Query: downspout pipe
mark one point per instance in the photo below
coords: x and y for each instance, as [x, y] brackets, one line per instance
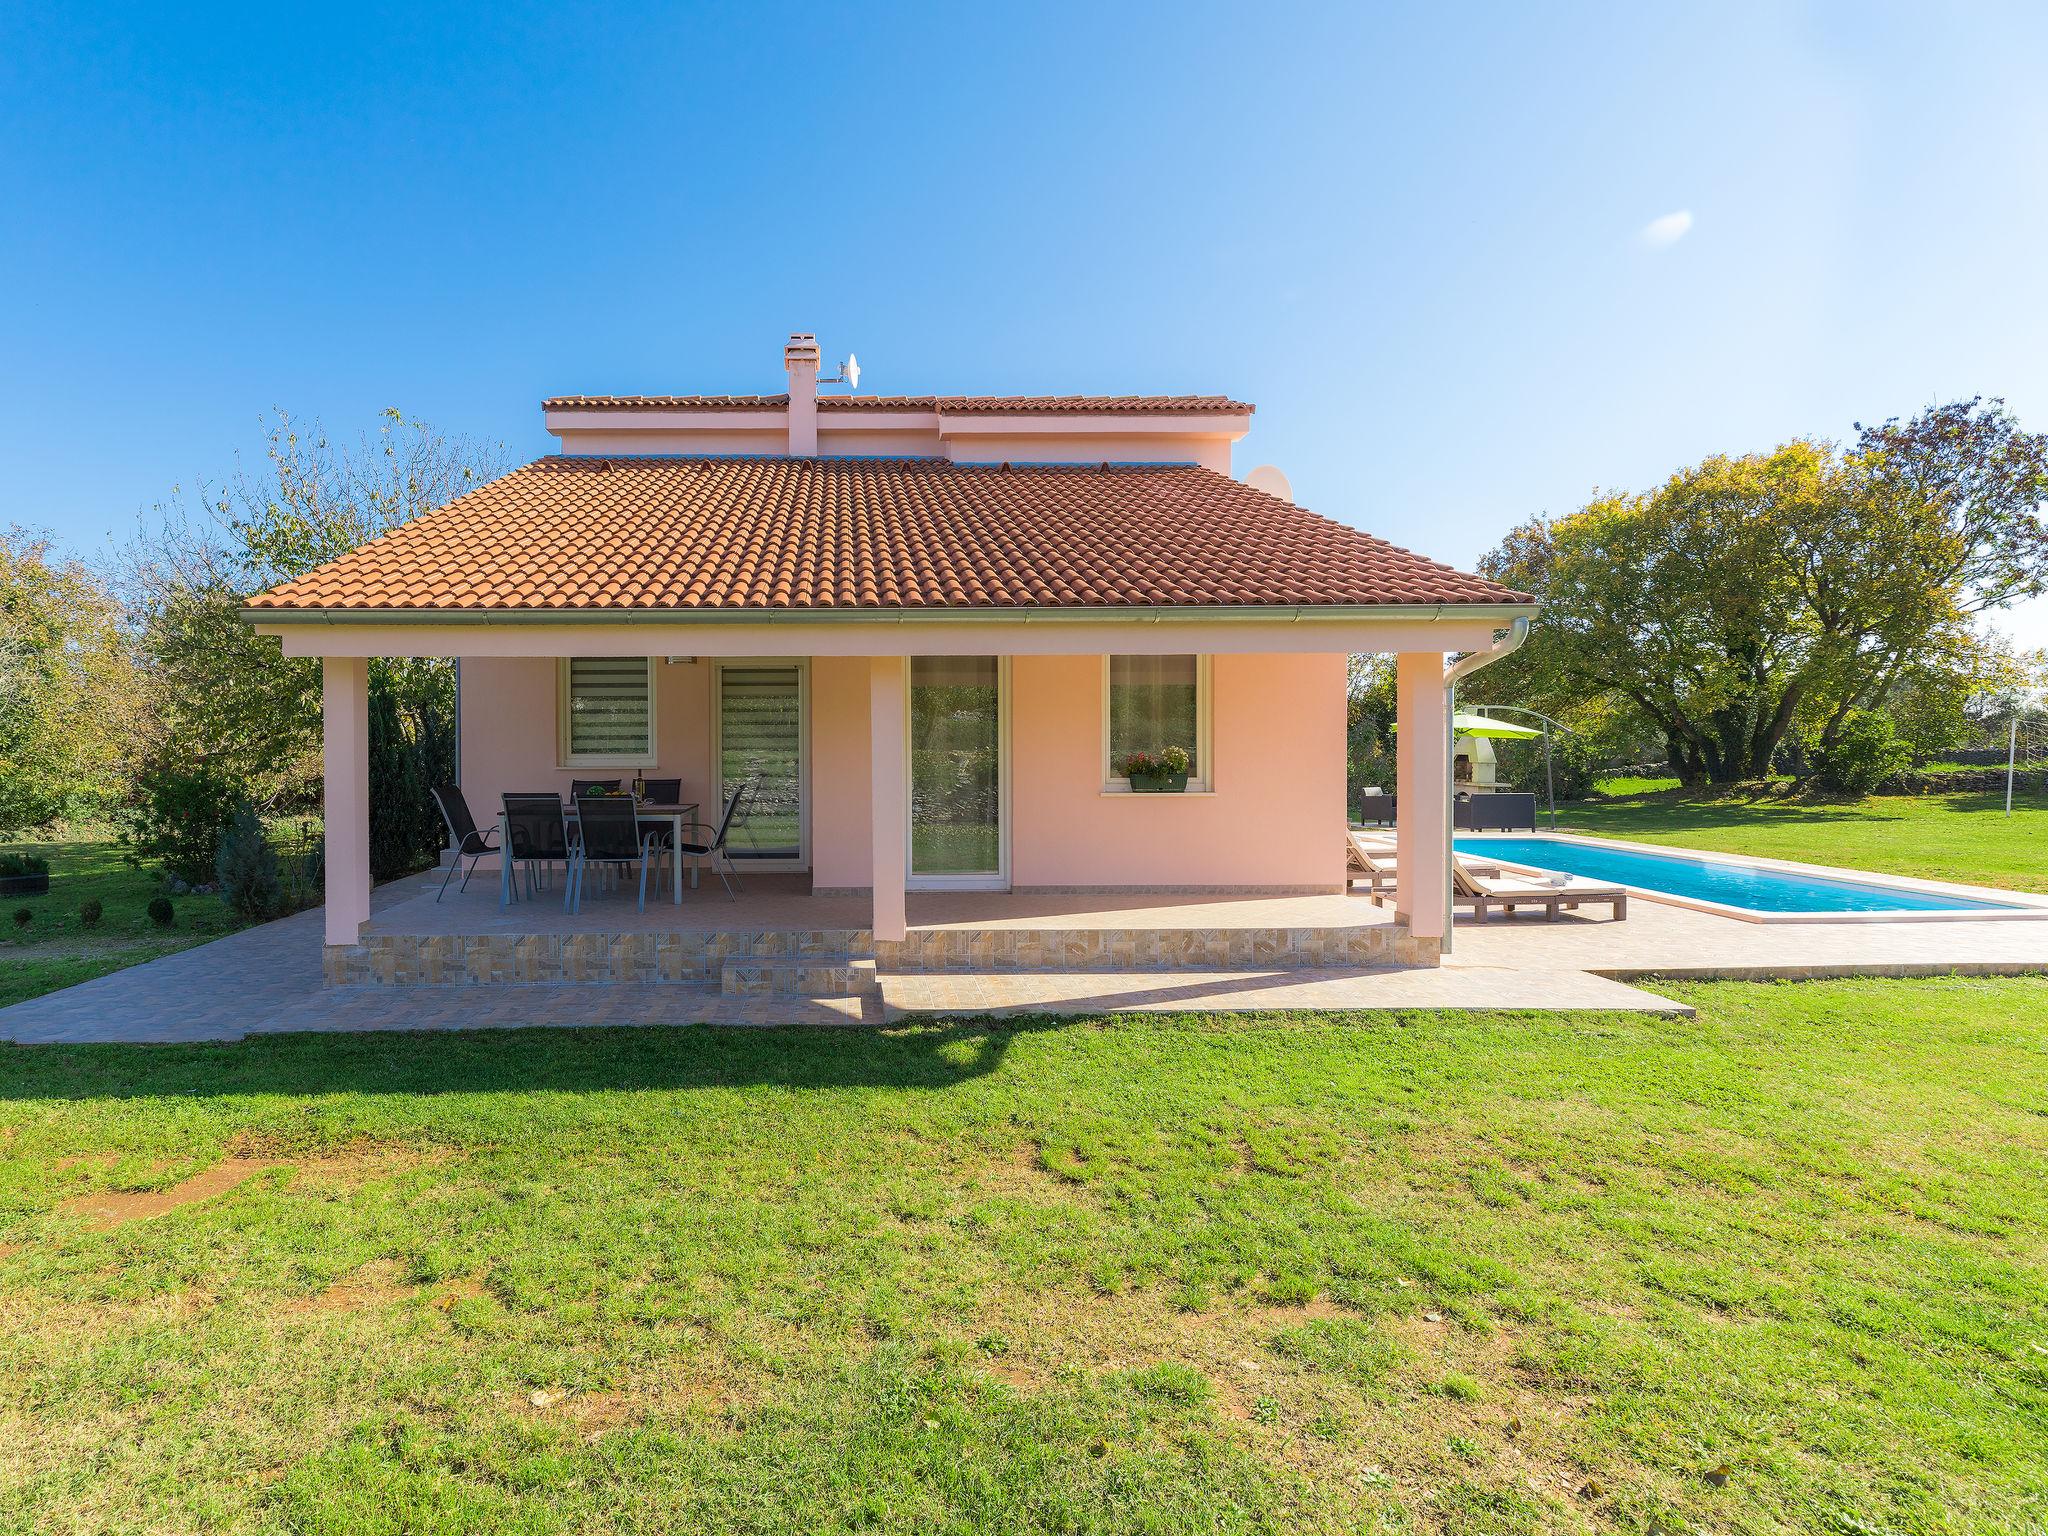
[1456, 672]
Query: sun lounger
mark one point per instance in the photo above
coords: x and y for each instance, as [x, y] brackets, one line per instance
[1368, 859]
[1372, 859]
[1483, 894]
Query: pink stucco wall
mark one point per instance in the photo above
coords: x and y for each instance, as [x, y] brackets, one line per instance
[1278, 748]
[508, 730]
[842, 855]
[1278, 774]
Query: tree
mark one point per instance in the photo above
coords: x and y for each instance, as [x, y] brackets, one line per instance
[1370, 713]
[230, 697]
[1749, 594]
[412, 749]
[70, 708]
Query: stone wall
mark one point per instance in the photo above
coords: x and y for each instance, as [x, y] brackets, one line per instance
[479, 959]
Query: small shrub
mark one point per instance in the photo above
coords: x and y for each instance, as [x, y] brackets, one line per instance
[1865, 752]
[161, 912]
[23, 916]
[177, 816]
[90, 913]
[1520, 763]
[13, 865]
[245, 868]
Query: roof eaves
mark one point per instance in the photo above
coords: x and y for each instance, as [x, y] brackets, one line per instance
[1007, 614]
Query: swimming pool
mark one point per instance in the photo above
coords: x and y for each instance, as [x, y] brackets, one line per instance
[1730, 885]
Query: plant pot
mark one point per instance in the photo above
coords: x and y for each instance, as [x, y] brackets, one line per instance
[1160, 783]
[24, 885]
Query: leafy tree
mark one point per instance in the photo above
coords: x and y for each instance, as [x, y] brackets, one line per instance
[1863, 753]
[231, 698]
[176, 814]
[412, 749]
[70, 710]
[1371, 709]
[1747, 595]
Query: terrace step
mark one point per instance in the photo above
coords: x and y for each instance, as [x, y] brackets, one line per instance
[798, 976]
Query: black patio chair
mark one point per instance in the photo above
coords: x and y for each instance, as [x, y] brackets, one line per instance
[610, 838]
[468, 839]
[714, 847]
[539, 838]
[662, 791]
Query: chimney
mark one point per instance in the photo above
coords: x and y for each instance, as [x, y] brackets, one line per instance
[800, 358]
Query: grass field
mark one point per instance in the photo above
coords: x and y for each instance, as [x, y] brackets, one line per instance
[1434, 1273]
[56, 948]
[1964, 837]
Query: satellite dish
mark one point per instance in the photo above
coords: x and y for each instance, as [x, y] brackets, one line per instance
[852, 371]
[1268, 478]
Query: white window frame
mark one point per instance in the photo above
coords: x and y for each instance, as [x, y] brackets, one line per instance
[802, 862]
[564, 758]
[1204, 783]
[1000, 879]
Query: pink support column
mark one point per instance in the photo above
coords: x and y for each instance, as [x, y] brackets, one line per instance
[1422, 781]
[889, 814]
[345, 715]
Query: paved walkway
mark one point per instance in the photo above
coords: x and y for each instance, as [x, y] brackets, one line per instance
[1071, 992]
[268, 980]
[1664, 940]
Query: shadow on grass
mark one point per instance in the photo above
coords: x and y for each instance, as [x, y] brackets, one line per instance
[525, 1060]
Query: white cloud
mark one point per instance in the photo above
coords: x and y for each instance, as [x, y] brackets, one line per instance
[1668, 230]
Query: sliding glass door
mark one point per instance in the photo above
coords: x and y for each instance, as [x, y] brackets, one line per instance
[957, 784]
[761, 742]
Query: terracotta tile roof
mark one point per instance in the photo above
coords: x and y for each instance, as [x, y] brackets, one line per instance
[788, 533]
[1123, 405]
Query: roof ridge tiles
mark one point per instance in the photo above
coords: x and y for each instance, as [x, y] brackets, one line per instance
[1080, 405]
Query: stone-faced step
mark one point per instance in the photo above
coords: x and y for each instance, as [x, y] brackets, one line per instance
[798, 976]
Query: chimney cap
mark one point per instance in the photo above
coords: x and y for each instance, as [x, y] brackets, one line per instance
[802, 347]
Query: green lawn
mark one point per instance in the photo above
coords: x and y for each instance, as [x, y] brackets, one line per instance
[1437, 1273]
[1963, 837]
[56, 949]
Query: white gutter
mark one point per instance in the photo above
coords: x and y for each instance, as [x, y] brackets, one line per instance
[1456, 672]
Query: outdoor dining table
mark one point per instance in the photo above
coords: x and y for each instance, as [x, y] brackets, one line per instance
[677, 816]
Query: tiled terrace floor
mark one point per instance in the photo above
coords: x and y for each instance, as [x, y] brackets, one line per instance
[785, 901]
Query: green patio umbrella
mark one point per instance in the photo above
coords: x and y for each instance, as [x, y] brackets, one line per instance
[1485, 725]
[1480, 725]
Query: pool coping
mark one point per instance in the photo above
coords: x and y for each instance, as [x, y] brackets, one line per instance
[2018, 906]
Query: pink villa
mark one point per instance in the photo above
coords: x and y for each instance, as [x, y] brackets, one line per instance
[924, 631]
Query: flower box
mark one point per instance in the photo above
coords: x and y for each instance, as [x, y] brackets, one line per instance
[1160, 781]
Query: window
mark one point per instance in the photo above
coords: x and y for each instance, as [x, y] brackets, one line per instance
[761, 743]
[1151, 703]
[607, 712]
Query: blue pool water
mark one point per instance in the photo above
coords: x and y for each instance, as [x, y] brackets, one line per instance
[1760, 890]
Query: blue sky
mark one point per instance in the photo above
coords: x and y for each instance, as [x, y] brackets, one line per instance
[1414, 236]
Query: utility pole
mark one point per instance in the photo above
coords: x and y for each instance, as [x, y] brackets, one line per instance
[2012, 746]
